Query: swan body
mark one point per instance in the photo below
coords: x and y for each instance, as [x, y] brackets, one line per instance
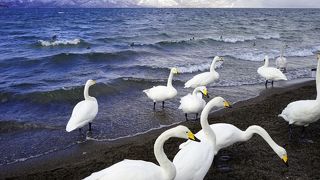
[228, 134]
[281, 62]
[270, 73]
[205, 78]
[143, 170]
[85, 111]
[194, 160]
[193, 103]
[162, 93]
[304, 112]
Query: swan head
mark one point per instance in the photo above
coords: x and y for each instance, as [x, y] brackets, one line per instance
[203, 90]
[174, 71]
[218, 58]
[266, 58]
[282, 153]
[221, 102]
[184, 133]
[90, 82]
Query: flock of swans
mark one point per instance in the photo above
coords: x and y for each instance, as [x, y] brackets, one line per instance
[196, 155]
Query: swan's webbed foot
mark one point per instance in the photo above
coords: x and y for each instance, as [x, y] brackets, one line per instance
[162, 104]
[186, 115]
[90, 126]
[154, 105]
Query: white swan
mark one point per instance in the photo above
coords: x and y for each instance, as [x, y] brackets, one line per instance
[205, 78]
[228, 134]
[281, 62]
[270, 73]
[303, 112]
[143, 170]
[85, 111]
[194, 160]
[193, 103]
[162, 93]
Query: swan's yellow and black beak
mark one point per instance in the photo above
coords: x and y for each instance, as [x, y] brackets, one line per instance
[285, 160]
[192, 137]
[205, 93]
[221, 59]
[94, 82]
[227, 104]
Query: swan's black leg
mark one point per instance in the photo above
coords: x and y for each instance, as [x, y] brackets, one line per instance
[90, 126]
[197, 116]
[266, 84]
[272, 83]
[80, 130]
[186, 115]
[154, 105]
[290, 132]
[162, 104]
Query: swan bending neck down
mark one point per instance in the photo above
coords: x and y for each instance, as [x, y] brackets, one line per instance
[205, 78]
[270, 73]
[143, 170]
[303, 112]
[200, 154]
[162, 93]
[85, 111]
[193, 103]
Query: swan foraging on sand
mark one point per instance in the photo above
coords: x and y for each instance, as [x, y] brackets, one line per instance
[303, 112]
[205, 78]
[281, 62]
[85, 111]
[228, 134]
[270, 73]
[193, 103]
[143, 170]
[162, 93]
[193, 161]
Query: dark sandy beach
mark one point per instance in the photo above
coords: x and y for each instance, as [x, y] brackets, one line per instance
[250, 160]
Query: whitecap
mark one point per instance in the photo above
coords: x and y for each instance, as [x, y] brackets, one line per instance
[59, 42]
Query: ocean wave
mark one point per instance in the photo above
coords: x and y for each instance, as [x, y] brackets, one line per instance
[60, 42]
[197, 67]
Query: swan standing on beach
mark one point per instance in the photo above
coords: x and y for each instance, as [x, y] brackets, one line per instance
[194, 160]
[228, 134]
[193, 103]
[143, 170]
[85, 111]
[205, 78]
[281, 62]
[162, 93]
[303, 112]
[270, 73]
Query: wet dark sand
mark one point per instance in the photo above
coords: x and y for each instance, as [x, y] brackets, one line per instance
[250, 160]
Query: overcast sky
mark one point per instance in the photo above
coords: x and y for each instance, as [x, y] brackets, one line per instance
[170, 3]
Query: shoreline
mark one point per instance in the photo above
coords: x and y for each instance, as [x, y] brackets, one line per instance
[82, 159]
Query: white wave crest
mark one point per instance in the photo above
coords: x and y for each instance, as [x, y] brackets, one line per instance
[197, 67]
[59, 42]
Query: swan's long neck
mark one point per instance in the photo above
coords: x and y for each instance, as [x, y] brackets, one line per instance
[195, 91]
[169, 83]
[161, 157]
[266, 62]
[282, 51]
[318, 80]
[261, 132]
[213, 65]
[86, 92]
[205, 124]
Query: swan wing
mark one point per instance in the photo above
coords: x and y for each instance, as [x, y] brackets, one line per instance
[191, 104]
[271, 73]
[202, 79]
[84, 112]
[128, 170]
[193, 161]
[160, 93]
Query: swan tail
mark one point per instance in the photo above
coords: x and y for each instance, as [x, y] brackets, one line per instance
[146, 91]
[187, 84]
